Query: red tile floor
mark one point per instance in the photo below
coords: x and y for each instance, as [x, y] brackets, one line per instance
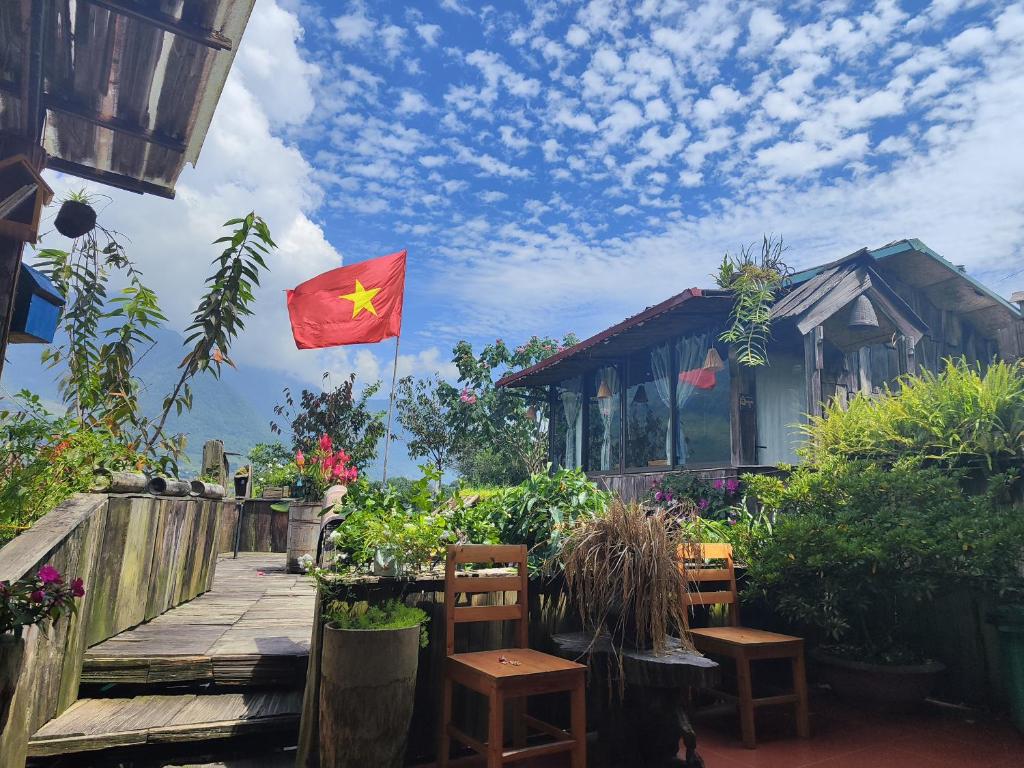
[853, 737]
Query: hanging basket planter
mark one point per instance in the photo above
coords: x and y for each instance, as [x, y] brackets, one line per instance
[75, 218]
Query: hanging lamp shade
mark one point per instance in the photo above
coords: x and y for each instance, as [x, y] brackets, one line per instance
[531, 413]
[862, 314]
[641, 395]
[713, 360]
[603, 392]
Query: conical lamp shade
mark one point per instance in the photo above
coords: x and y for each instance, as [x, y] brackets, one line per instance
[603, 392]
[641, 395]
[713, 360]
[862, 314]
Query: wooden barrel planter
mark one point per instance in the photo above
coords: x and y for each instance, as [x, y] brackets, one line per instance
[303, 532]
[367, 690]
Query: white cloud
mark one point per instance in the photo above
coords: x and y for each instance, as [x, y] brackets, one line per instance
[577, 36]
[763, 28]
[429, 33]
[412, 103]
[351, 28]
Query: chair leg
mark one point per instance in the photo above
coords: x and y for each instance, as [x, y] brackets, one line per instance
[746, 702]
[495, 730]
[803, 720]
[579, 724]
[443, 742]
[517, 709]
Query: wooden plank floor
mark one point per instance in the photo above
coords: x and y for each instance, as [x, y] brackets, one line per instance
[252, 628]
[94, 724]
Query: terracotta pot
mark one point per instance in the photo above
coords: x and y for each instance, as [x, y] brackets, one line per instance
[75, 218]
[889, 686]
[12, 650]
[367, 690]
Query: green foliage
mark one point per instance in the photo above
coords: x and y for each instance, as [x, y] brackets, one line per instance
[756, 281]
[391, 614]
[435, 420]
[272, 465]
[338, 413]
[855, 544]
[406, 524]
[47, 458]
[540, 511]
[960, 417]
[711, 499]
[506, 429]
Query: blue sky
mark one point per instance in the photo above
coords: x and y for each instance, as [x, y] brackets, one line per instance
[555, 166]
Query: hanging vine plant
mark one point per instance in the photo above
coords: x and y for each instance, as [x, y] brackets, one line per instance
[756, 280]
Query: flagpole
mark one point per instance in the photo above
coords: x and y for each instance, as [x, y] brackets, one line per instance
[391, 407]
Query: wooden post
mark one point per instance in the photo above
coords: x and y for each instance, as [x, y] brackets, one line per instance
[813, 363]
[215, 463]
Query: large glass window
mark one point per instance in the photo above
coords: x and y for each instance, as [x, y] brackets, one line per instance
[604, 440]
[702, 400]
[567, 422]
[648, 408]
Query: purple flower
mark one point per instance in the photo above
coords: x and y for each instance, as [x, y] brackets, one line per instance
[703, 504]
[77, 588]
[659, 496]
[48, 574]
[719, 484]
[732, 485]
[37, 596]
[669, 496]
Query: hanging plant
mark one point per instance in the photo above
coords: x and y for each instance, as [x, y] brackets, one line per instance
[76, 216]
[756, 280]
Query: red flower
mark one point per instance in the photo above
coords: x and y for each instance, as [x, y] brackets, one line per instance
[300, 459]
[325, 444]
[77, 588]
[48, 574]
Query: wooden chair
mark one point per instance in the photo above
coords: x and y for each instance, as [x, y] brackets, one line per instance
[507, 674]
[741, 644]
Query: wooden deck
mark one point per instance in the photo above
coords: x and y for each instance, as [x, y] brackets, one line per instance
[252, 628]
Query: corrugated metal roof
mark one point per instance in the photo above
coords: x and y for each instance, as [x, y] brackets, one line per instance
[129, 91]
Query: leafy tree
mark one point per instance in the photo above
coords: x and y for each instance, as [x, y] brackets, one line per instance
[434, 419]
[510, 424]
[339, 413]
[271, 465]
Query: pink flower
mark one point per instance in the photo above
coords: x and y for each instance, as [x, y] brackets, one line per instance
[719, 484]
[732, 485]
[300, 459]
[49, 575]
[77, 588]
[37, 596]
[467, 397]
[325, 444]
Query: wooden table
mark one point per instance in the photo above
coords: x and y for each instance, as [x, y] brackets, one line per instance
[644, 724]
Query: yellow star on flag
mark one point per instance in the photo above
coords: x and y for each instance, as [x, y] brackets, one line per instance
[362, 299]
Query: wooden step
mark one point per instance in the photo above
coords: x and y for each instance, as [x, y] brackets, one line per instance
[92, 724]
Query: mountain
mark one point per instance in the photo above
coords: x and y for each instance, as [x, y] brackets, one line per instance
[237, 408]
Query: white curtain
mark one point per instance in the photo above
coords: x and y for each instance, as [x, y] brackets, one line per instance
[690, 354]
[661, 367]
[781, 408]
[572, 410]
[607, 406]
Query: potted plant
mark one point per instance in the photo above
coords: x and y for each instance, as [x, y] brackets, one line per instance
[29, 601]
[317, 474]
[368, 682]
[76, 216]
[622, 574]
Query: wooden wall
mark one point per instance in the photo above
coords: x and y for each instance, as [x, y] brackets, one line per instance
[634, 486]
[263, 529]
[138, 556]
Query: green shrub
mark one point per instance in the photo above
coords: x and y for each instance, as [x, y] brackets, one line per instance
[272, 465]
[539, 511]
[391, 614]
[960, 417]
[855, 543]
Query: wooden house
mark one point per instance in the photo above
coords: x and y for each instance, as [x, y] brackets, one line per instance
[660, 392]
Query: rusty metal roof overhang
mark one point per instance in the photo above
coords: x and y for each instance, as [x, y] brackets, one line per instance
[127, 89]
[692, 309]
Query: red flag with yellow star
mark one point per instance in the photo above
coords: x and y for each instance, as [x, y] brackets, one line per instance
[358, 304]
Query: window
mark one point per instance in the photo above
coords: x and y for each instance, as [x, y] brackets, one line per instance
[648, 412]
[605, 438]
[567, 422]
[703, 434]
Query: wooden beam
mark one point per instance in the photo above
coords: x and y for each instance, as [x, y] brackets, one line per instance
[813, 363]
[208, 37]
[58, 103]
[109, 178]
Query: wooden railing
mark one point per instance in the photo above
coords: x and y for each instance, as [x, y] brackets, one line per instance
[139, 555]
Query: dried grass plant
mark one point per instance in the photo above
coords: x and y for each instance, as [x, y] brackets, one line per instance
[622, 569]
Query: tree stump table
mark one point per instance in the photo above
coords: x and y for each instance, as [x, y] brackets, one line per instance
[644, 724]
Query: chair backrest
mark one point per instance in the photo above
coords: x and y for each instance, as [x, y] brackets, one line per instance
[711, 564]
[470, 582]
